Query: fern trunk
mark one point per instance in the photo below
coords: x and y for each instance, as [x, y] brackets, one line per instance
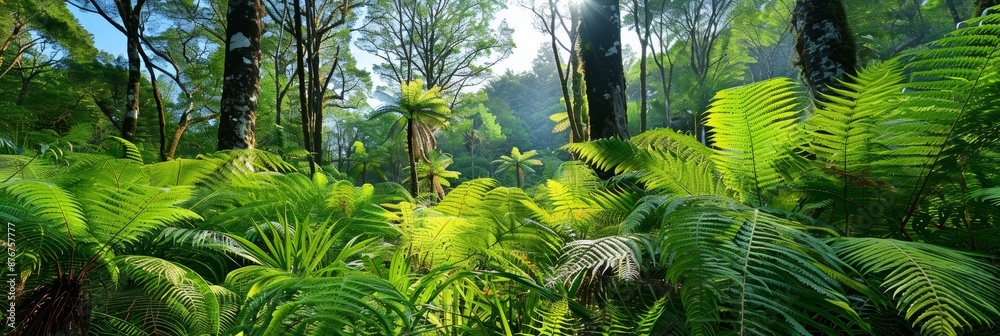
[412, 159]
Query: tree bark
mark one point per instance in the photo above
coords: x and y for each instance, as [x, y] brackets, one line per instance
[131, 120]
[301, 70]
[413, 160]
[600, 39]
[160, 112]
[241, 81]
[577, 85]
[824, 43]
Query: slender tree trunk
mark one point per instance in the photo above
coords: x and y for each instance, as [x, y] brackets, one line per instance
[241, 84]
[181, 127]
[413, 161]
[25, 85]
[575, 131]
[131, 120]
[520, 177]
[642, 27]
[577, 84]
[161, 115]
[600, 36]
[823, 43]
[303, 97]
[954, 11]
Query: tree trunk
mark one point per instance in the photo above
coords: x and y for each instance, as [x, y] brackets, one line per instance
[303, 97]
[642, 28]
[160, 112]
[577, 85]
[520, 177]
[600, 39]
[954, 11]
[241, 83]
[131, 120]
[413, 161]
[824, 43]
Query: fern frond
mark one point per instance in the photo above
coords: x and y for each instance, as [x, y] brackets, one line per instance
[624, 254]
[355, 304]
[180, 172]
[940, 290]
[130, 151]
[464, 199]
[755, 128]
[555, 320]
[52, 205]
[180, 289]
[121, 214]
[752, 272]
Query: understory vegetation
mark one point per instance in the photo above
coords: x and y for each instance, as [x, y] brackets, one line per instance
[869, 210]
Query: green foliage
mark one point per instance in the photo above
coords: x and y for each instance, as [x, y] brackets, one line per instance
[937, 288]
[873, 210]
[754, 127]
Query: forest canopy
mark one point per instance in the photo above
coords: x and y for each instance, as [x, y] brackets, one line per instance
[399, 167]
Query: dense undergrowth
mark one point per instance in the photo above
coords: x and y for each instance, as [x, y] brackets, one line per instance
[875, 212]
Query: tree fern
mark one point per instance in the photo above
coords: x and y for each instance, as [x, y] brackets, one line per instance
[754, 128]
[938, 289]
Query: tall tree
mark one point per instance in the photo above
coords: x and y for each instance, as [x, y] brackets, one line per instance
[322, 32]
[823, 42]
[702, 23]
[421, 113]
[448, 43]
[26, 23]
[129, 18]
[601, 60]
[560, 21]
[241, 83]
[642, 20]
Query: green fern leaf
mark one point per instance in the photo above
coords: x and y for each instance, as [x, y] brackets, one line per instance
[939, 289]
[180, 289]
[755, 128]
